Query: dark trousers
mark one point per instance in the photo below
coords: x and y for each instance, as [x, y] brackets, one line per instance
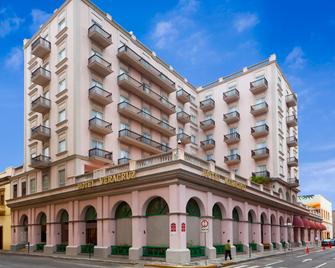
[226, 254]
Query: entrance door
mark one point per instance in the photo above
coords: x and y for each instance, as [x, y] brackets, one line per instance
[65, 233]
[91, 232]
[1, 238]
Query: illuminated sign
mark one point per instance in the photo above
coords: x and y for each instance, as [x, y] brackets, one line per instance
[123, 176]
[217, 177]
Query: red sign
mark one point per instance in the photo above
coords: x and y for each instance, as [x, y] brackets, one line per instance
[183, 227]
[173, 227]
[204, 226]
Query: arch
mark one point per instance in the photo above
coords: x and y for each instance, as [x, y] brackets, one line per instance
[273, 223]
[90, 218]
[41, 221]
[63, 227]
[123, 224]
[123, 210]
[157, 206]
[192, 208]
[251, 226]
[264, 221]
[24, 220]
[281, 221]
[251, 216]
[273, 219]
[216, 212]
[236, 216]
[23, 229]
[193, 213]
[217, 224]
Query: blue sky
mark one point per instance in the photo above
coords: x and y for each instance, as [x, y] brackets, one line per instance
[204, 40]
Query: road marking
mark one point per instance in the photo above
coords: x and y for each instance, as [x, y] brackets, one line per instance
[302, 256]
[255, 266]
[242, 266]
[305, 260]
[320, 265]
[274, 263]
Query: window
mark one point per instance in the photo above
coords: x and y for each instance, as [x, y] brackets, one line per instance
[96, 114]
[15, 191]
[209, 136]
[123, 99]
[209, 157]
[281, 166]
[23, 188]
[194, 119]
[2, 198]
[193, 139]
[61, 54]
[260, 123]
[192, 99]
[61, 177]
[46, 151]
[124, 126]
[260, 100]
[62, 145]
[261, 168]
[96, 83]
[97, 144]
[233, 151]
[61, 115]
[32, 185]
[61, 24]
[45, 182]
[232, 130]
[61, 85]
[232, 109]
[261, 145]
[124, 154]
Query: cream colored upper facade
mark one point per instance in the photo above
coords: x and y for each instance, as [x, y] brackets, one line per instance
[96, 96]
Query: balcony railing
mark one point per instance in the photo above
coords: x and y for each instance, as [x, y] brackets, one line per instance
[207, 124]
[292, 161]
[141, 141]
[291, 120]
[292, 141]
[260, 108]
[143, 91]
[131, 57]
[293, 182]
[183, 117]
[264, 174]
[183, 138]
[232, 159]
[40, 47]
[291, 100]
[41, 105]
[41, 76]
[41, 133]
[231, 117]
[231, 95]
[100, 126]
[99, 65]
[99, 36]
[232, 138]
[100, 154]
[100, 95]
[260, 131]
[259, 85]
[129, 110]
[40, 161]
[260, 153]
[208, 144]
[207, 105]
[183, 96]
[123, 160]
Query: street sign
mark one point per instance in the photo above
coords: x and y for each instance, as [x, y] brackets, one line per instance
[204, 226]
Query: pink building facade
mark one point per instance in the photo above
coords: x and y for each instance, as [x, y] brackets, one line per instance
[123, 156]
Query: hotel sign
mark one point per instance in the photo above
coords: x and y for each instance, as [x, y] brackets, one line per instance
[217, 177]
[119, 177]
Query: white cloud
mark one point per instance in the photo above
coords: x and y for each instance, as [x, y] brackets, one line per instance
[295, 59]
[14, 59]
[245, 21]
[38, 17]
[9, 22]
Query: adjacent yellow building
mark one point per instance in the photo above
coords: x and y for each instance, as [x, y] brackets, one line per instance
[5, 216]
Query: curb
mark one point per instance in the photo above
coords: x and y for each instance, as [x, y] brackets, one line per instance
[180, 266]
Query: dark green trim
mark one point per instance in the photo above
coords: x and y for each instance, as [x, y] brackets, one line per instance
[120, 250]
[157, 206]
[192, 208]
[239, 247]
[197, 251]
[61, 248]
[154, 251]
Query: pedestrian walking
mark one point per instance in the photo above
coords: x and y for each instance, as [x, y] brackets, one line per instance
[227, 250]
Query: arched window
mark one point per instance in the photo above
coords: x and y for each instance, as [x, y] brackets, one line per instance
[157, 206]
[123, 211]
[91, 214]
[236, 216]
[64, 217]
[192, 208]
[217, 212]
[43, 219]
[250, 218]
[262, 219]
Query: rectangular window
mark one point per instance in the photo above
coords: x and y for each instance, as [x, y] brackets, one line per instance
[194, 119]
[23, 188]
[124, 126]
[61, 24]
[281, 166]
[124, 154]
[61, 55]
[61, 85]
[193, 139]
[15, 191]
[209, 157]
[62, 146]
[61, 115]
[97, 144]
[32, 186]
[45, 182]
[2, 198]
[61, 177]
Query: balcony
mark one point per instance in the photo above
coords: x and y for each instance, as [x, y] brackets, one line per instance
[293, 182]
[183, 96]
[292, 161]
[292, 141]
[232, 138]
[291, 100]
[291, 120]
[130, 57]
[260, 131]
[207, 105]
[100, 126]
[41, 105]
[231, 95]
[207, 144]
[144, 92]
[264, 174]
[41, 48]
[232, 159]
[258, 86]
[99, 66]
[100, 96]
[41, 76]
[146, 119]
[100, 155]
[41, 133]
[207, 124]
[260, 154]
[183, 138]
[40, 162]
[259, 109]
[99, 36]
[183, 117]
[147, 144]
[231, 117]
[123, 160]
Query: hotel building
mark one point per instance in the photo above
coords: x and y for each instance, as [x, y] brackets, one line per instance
[123, 154]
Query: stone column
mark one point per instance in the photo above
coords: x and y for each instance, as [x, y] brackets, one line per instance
[276, 236]
[108, 224]
[75, 230]
[208, 237]
[101, 250]
[50, 246]
[306, 236]
[267, 234]
[297, 235]
[244, 232]
[32, 229]
[177, 251]
[256, 229]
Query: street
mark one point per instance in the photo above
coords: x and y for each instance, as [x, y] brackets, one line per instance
[316, 259]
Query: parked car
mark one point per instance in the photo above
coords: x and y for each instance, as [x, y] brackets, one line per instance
[327, 242]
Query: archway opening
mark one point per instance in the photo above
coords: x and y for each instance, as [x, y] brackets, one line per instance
[217, 227]
[273, 230]
[42, 222]
[252, 230]
[64, 227]
[23, 230]
[91, 225]
[236, 214]
[263, 222]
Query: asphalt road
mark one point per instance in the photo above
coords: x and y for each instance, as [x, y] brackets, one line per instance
[316, 259]
[17, 261]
